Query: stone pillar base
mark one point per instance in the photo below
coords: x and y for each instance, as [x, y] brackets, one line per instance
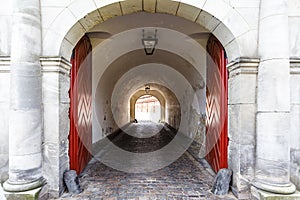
[277, 189]
[17, 187]
[257, 194]
[27, 195]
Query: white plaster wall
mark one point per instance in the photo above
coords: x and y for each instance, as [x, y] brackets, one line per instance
[172, 106]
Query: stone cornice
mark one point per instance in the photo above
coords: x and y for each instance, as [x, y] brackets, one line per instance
[250, 66]
[49, 65]
[63, 66]
[243, 66]
[4, 64]
[55, 64]
[295, 65]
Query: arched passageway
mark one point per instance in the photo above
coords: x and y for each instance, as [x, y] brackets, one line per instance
[168, 102]
[178, 83]
[147, 108]
[190, 39]
[179, 65]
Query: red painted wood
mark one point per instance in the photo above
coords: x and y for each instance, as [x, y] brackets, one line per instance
[80, 137]
[216, 106]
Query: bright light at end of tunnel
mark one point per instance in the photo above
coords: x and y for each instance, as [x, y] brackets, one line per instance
[148, 108]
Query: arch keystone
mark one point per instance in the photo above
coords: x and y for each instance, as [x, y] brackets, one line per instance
[149, 6]
[131, 6]
[110, 11]
[167, 6]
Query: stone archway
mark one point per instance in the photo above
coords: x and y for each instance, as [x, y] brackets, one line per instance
[61, 35]
[154, 93]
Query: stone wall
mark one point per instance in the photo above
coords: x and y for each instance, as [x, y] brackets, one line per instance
[294, 34]
[5, 24]
[5, 38]
[234, 22]
[241, 123]
[295, 122]
[56, 122]
[59, 17]
[4, 117]
[294, 28]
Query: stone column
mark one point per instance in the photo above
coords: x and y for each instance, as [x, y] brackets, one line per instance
[273, 100]
[25, 123]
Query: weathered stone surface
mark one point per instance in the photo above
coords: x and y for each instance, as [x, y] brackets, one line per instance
[242, 123]
[150, 6]
[90, 20]
[5, 36]
[295, 167]
[131, 6]
[25, 117]
[257, 194]
[75, 33]
[222, 181]
[273, 83]
[219, 9]
[27, 195]
[2, 197]
[277, 149]
[167, 6]
[72, 182]
[273, 100]
[110, 11]
[294, 36]
[188, 12]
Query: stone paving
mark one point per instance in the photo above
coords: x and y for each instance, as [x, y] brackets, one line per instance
[183, 179]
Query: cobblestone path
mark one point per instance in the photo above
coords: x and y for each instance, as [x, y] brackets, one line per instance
[183, 179]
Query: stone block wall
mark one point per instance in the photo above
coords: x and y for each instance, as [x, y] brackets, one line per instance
[241, 123]
[5, 38]
[6, 27]
[294, 37]
[295, 122]
[56, 122]
[4, 116]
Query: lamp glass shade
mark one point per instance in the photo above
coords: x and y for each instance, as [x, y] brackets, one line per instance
[147, 88]
[149, 45]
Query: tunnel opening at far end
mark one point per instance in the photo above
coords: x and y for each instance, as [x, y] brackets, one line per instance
[148, 108]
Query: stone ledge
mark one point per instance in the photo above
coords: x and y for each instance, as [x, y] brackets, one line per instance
[27, 195]
[4, 64]
[243, 66]
[48, 64]
[257, 194]
[55, 64]
[295, 66]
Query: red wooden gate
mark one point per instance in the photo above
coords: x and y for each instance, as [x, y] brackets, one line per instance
[80, 136]
[216, 105]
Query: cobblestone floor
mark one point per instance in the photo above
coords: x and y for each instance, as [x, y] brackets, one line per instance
[183, 179]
